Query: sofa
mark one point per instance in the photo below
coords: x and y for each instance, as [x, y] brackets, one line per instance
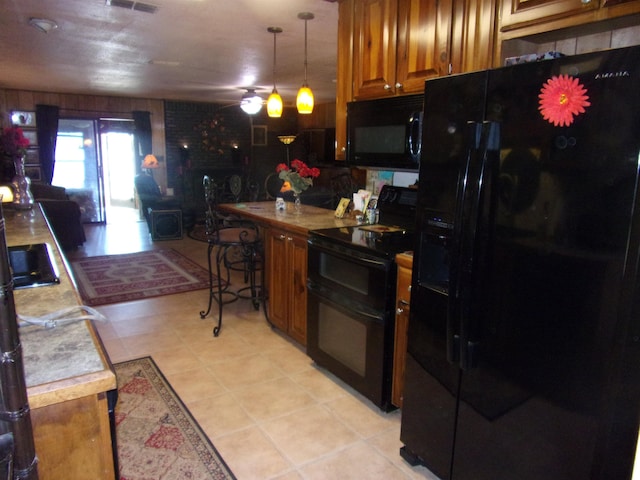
[63, 214]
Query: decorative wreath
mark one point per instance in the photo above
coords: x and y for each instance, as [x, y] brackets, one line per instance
[561, 99]
[213, 133]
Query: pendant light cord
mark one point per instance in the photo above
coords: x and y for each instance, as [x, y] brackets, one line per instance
[305, 51]
[274, 59]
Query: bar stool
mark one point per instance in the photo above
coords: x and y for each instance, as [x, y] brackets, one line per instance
[237, 246]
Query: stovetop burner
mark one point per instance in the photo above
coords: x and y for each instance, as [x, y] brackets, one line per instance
[384, 244]
[394, 234]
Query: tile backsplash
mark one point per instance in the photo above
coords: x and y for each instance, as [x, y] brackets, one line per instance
[575, 44]
[377, 178]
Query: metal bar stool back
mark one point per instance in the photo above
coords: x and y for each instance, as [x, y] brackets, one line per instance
[233, 244]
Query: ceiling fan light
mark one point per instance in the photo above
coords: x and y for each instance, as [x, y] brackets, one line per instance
[304, 100]
[251, 102]
[274, 104]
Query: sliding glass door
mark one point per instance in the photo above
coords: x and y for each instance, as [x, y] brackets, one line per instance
[78, 167]
[95, 162]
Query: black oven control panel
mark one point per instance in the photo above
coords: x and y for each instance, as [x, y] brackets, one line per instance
[397, 205]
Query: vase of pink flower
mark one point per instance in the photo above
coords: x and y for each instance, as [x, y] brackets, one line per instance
[297, 178]
[13, 148]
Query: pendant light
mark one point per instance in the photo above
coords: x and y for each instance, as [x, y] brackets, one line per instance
[304, 100]
[274, 102]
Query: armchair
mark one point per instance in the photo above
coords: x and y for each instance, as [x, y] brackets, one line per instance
[64, 215]
[151, 198]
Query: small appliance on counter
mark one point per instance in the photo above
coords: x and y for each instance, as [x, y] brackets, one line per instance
[351, 295]
[31, 265]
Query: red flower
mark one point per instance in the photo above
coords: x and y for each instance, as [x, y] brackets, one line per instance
[13, 141]
[299, 177]
[561, 99]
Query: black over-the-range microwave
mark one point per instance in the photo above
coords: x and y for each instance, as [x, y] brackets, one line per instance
[385, 133]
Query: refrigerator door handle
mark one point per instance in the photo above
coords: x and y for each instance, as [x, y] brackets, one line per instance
[481, 215]
[460, 256]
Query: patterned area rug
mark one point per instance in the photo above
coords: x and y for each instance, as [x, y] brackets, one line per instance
[157, 436]
[135, 276]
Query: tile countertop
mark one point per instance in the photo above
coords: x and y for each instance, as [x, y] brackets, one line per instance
[65, 362]
[311, 218]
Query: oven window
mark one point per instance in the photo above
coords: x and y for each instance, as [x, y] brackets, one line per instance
[345, 273]
[343, 338]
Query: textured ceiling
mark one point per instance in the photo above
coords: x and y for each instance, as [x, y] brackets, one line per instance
[195, 50]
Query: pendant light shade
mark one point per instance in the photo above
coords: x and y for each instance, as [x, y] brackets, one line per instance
[304, 100]
[274, 102]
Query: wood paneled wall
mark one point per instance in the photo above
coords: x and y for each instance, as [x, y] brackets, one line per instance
[91, 106]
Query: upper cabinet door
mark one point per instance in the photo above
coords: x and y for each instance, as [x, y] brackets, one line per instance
[473, 34]
[374, 48]
[398, 44]
[519, 13]
[423, 49]
[344, 74]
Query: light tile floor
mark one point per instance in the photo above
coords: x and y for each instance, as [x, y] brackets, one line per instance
[268, 410]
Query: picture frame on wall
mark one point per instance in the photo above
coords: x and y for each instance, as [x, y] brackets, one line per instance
[32, 136]
[33, 172]
[21, 118]
[259, 135]
[32, 157]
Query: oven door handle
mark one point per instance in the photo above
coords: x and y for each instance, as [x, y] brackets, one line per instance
[352, 255]
[339, 301]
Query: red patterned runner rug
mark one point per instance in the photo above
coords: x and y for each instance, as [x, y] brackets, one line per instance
[157, 436]
[135, 276]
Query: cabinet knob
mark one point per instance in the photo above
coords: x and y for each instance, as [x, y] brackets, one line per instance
[586, 2]
[401, 306]
[289, 239]
[387, 86]
[398, 85]
[282, 237]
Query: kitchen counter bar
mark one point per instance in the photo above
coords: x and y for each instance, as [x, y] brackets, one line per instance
[67, 371]
[265, 213]
[285, 236]
[65, 362]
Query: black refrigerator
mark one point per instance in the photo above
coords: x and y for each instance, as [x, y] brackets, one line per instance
[523, 358]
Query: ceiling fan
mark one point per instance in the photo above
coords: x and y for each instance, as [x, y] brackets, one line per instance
[250, 101]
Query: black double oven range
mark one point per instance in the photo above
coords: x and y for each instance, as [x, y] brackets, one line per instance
[351, 295]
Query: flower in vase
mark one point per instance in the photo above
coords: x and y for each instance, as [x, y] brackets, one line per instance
[13, 142]
[297, 178]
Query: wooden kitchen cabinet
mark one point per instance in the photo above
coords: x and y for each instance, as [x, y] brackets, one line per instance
[73, 439]
[344, 74]
[569, 26]
[287, 280]
[397, 44]
[518, 13]
[390, 47]
[403, 297]
[472, 35]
